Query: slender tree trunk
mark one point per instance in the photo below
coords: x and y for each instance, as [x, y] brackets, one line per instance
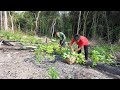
[85, 15]
[11, 18]
[1, 19]
[19, 27]
[43, 26]
[53, 26]
[79, 23]
[51, 29]
[36, 23]
[75, 16]
[94, 25]
[5, 21]
[106, 20]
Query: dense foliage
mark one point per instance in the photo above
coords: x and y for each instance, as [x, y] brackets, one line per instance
[92, 24]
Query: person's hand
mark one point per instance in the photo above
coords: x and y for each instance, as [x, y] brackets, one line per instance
[60, 46]
[75, 51]
[61, 42]
[72, 50]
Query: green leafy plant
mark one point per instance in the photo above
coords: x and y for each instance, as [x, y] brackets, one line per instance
[49, 49]
[80, 59]
[100, 54]
[57, 50]
[53, 74]
[50, 57]
[44, 50]
[39, 55]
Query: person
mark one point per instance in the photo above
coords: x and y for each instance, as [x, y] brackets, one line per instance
[62, 38]
[81, 41]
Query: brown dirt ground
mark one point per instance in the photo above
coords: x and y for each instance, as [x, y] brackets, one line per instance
[18, 64]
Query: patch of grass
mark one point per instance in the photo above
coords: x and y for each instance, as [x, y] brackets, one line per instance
[18, 36]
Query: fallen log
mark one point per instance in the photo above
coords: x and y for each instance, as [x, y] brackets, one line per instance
[17, 47]
[7, 42]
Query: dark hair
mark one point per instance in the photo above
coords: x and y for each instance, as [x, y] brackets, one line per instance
[54, 34]
[76, 37]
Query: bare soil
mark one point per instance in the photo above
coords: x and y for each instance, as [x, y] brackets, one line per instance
[20, 64]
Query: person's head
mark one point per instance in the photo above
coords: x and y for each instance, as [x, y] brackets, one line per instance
[76, 37]
[56, 33]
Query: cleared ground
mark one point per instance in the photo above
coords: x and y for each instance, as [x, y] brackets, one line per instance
[20, 64]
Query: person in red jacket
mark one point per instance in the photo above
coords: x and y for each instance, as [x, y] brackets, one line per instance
[81, 41]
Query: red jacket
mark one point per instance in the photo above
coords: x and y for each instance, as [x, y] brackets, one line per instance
[83, 41]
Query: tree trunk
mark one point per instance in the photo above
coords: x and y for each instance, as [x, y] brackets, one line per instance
[5, 21]
[106, 20]
[94, 25]
[53, 26]
[36, 23]
[1, 19]
[11, 18]
[75, 15]
[85, 15]
[19, 27]
[79, 23]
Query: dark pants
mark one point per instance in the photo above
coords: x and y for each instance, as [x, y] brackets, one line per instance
[62, 43]
[86, 52]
